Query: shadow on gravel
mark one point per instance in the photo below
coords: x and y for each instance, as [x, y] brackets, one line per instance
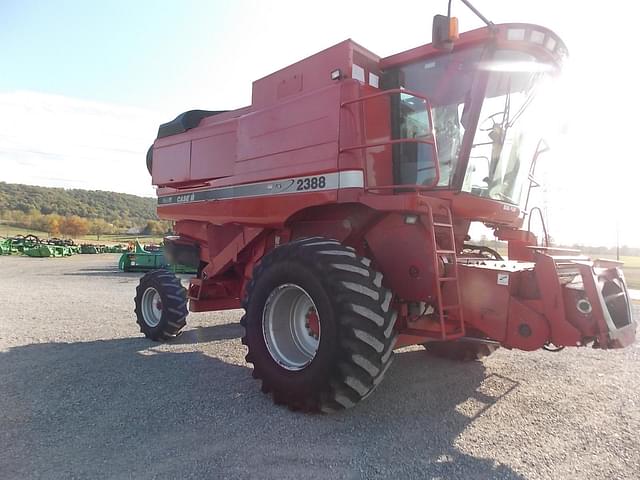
[103, 272]
[194, 335]
[131, 408]
[113, 271]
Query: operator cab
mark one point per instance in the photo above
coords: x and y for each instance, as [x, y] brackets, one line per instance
[489, 101]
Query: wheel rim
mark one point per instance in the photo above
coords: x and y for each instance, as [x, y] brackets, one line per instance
[291, 327]
[151, 307]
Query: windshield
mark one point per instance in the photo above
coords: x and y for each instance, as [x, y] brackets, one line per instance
[509, 127]
[503, 144]
[447, 82]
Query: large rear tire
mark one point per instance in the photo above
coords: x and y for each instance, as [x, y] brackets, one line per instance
[161, 305]
[319, 326]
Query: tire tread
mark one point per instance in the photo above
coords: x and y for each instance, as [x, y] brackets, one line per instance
[365, 320]
[174, 298]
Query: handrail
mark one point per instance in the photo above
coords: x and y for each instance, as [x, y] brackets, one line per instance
[436, 164]
[405, 186]
[428, 140]
[533, 183]
[390, 92]
[553, 249]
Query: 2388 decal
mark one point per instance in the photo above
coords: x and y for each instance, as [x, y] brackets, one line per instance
[311, 183]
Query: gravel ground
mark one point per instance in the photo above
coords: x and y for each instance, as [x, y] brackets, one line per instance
[82, 395]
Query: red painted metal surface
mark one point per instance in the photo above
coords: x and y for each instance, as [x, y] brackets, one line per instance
[313, 155]
[403, 253]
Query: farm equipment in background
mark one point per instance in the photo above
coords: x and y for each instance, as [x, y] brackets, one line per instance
[148, 258]
[116, 249]
[335, 210]
[11, 245]
[90, 249]
[142, 259]
[42, 250]
[67, 246]
[6, 246]
[32, 246]
[20, 243]
[29, 245]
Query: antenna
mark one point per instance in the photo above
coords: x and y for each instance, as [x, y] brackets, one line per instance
[489, 23]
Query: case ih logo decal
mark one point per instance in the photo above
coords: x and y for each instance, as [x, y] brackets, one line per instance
[189, 197]
[329, 181]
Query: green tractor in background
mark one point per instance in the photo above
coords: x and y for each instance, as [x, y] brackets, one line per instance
[147, 258]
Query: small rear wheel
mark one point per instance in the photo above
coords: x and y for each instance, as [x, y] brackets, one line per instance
[161, 305]
[319, 326]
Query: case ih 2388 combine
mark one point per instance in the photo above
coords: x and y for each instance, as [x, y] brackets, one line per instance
[335, 210]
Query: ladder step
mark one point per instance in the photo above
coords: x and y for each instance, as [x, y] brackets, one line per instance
[454, 312]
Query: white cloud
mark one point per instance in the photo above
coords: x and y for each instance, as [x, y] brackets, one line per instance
[67, 142]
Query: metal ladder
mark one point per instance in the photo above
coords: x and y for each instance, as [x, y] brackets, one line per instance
[449, 274]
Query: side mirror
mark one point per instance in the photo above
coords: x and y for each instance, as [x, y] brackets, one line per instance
[444, 32]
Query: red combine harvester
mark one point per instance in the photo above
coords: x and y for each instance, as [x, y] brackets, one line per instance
[336, 209]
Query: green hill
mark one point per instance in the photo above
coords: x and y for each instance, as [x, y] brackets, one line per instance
[116, 208]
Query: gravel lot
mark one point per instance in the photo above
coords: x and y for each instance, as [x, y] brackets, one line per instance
[82, 395]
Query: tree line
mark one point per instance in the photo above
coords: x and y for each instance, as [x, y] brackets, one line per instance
[75, 213]
[120, 209]
[74, 226]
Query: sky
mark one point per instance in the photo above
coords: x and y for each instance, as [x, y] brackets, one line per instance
[84, 86]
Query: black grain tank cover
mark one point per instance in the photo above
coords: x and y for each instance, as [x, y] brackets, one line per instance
[185, 121]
